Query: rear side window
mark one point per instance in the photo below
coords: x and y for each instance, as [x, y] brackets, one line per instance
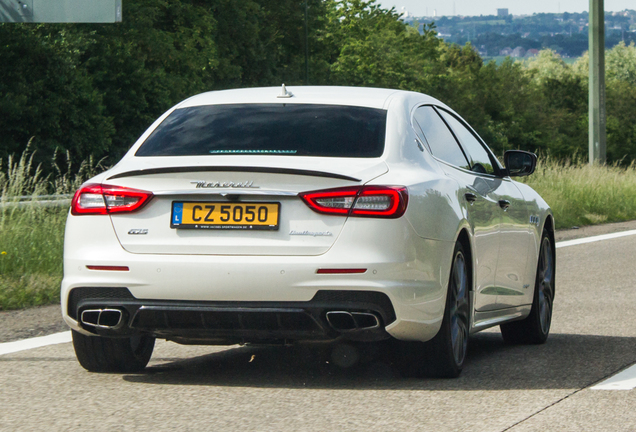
[480, 161]
[439, 138]
[269, 129]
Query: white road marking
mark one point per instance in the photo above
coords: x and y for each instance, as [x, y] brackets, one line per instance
[594, 238]
[36, 342]
[625, 380]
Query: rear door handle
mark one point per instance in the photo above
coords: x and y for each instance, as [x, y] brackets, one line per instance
[470, 197]
[504, 204]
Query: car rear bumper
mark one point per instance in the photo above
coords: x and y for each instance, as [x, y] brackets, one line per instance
[329, 315]
[410, 271]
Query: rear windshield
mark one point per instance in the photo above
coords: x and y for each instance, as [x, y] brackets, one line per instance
[269, 129]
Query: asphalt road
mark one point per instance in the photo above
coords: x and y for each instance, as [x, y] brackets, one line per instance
[502, 388]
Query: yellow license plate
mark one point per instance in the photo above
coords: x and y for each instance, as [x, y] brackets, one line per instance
[224, 215]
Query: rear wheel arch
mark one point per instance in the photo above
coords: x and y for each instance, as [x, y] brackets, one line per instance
[535, 328]
[444, 355]
[548, 226]
[464, 238]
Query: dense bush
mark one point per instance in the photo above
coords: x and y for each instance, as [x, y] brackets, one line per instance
[93, 89]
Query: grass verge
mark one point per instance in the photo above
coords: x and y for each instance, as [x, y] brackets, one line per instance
[29, 290]
[31, 234]
[31, 246]
[581, 194]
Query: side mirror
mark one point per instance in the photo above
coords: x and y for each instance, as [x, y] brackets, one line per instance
[519, 163]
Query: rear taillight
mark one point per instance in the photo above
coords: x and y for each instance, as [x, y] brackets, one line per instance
[362, 201]
[96, 199]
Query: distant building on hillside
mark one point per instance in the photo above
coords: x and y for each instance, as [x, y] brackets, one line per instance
[502, 12]
[505, 52]
[518, 52]
[532, 52]
[406, 16]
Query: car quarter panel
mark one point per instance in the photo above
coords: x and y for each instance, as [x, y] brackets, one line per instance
[540, 211]
[434, 210]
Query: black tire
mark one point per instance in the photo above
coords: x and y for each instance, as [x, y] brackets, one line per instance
[103, 354]
[444, 355]
[534, 329]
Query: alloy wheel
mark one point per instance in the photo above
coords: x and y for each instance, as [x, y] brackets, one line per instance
[545, 283]
[459, 308]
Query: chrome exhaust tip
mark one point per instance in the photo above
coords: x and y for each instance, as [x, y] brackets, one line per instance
[102, 318]
[341, 320]
[344, 321]
[366, 321]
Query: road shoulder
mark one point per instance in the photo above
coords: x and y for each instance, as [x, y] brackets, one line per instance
[594, 230]
[32, 322]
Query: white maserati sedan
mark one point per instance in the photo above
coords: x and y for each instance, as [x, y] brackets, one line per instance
[325, 214]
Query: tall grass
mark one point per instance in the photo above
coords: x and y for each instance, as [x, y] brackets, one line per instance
[582, 194]
[32, 234]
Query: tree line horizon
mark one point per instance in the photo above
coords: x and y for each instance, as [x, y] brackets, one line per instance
[92, 89]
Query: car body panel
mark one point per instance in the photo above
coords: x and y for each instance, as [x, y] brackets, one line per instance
[515, 286]
[408, 259]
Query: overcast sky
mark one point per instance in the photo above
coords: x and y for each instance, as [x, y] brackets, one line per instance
[489, 7]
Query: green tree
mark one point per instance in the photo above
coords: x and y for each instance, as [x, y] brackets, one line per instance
[376, 49]
[45, 94]
[548, 65]
[161, 53]
[620, 81]
[93, 89]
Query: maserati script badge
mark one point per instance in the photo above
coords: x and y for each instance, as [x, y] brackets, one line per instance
[219, 185]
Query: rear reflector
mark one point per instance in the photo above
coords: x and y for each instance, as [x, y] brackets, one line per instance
[340, 271]
[362, 201]
[96, 199]
[107, 268]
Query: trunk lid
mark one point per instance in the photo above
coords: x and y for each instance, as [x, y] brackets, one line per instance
[186, 182]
